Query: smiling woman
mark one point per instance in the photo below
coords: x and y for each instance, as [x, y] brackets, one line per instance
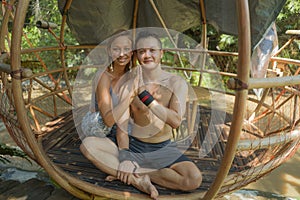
[101, 117]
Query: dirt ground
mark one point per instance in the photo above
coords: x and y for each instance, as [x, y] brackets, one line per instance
[285, 180]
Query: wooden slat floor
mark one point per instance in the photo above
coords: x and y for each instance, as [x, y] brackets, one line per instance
[62, 146]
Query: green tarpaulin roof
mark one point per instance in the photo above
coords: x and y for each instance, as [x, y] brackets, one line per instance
[93, 21]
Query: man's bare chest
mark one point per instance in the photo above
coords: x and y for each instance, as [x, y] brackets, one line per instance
[160, 93]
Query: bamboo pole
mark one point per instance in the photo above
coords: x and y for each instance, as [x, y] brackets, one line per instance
[203, 14]
[168, 32]
[62, 51]
[284, 46]
[135, 15]
[35, 75]
[293, 32]
[285, 60]
[36, 122]
[203, 39]
[4, 24]
[56, 92]
[39, 154]
[54, 48]
[262, 99]
[241, 97]
[25, 73]
[162, 21]
[64, 20]
[296, 108]
[204, 71]
[42, 111]
[274, 82]
[269, 141]
[211, 52]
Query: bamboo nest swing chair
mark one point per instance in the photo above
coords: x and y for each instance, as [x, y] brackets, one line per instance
[241, 144]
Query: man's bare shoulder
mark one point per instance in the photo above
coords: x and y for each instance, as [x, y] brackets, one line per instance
[171, 76]
[174, 80]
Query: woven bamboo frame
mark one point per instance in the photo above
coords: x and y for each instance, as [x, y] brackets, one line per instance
[223, 182]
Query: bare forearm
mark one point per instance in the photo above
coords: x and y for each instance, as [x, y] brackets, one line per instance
[122, 139]
[167, 115]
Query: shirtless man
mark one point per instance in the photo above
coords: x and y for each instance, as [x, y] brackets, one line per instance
[158, 109]
[150, 156]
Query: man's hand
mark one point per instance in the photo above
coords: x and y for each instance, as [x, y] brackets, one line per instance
[125, 170]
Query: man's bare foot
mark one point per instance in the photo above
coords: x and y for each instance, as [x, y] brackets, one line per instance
[144, 184]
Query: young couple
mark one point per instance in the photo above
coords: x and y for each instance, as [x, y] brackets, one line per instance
[153, 102]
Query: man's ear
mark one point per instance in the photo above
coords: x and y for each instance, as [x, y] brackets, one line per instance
[162, 54]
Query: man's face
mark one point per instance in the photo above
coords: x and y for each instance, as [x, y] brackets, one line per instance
[149, 52]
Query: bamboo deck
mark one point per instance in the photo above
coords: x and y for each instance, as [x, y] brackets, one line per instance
[61, 142]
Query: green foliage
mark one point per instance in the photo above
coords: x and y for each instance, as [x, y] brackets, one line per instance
[289, 18]
[227, 43]
[10, 151]
[37, 37]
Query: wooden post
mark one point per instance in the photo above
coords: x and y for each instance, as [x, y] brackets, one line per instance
[4, 28]
[62, 51]
[38, 152]
[240, 97]
[203, 40]
[135, 15]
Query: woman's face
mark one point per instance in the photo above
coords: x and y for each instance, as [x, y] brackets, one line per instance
[121, 50]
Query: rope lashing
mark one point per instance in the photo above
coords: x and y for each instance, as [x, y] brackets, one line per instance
[21, 73]
[236, 84]
[17, 74]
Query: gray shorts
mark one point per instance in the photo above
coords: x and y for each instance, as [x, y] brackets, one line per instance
[154, 155]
